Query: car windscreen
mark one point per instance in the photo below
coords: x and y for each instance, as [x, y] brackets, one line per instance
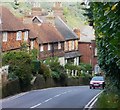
[98, 79]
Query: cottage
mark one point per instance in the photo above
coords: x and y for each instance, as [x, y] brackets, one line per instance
[87, 46]
[49, 41]
[72, 54]
[13, 32]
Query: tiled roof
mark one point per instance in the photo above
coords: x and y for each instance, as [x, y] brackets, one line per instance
[67, 33]
[9, 22]
[72, 54]
[45, 33]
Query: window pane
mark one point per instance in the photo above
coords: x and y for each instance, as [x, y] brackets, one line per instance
[19, 35]
[5, 37]
[26, 36]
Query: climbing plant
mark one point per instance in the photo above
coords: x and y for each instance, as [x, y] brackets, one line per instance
[106, 17]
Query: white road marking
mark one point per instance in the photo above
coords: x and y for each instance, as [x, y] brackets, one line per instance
[92, 102]
[49, 99]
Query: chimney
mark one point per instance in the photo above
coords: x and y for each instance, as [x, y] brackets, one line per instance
[77, 31]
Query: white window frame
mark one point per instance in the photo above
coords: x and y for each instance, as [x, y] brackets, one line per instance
[26, 36]
[59, 45]
[73, 45]
[49, 47]
[5, 36]
[41, 48]
[66, 46]
[19, 35]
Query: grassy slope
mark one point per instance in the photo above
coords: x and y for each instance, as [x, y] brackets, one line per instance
[18, 10]
[73, 17]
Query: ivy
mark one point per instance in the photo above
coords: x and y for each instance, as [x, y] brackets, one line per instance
[106, 17]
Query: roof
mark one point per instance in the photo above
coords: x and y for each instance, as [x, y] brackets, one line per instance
[9, 22]
[45, 33]
[66, 32]
[86, 34]
[72, 54]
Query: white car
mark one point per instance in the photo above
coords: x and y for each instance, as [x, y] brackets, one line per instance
[97, 81]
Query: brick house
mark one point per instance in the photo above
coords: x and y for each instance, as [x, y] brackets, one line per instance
[13, 32]
[87, 46]
[72, 55]
[49, 41]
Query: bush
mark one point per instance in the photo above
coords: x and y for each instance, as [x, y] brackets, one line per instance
[45, 71]
[57, 70]
[20, 65]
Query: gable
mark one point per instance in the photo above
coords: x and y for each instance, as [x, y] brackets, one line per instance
[37, 20]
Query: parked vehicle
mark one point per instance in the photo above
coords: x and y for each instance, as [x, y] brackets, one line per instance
[97, 82]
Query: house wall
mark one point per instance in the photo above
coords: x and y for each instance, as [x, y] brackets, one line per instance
[71, 45]
[12, 43]
[87, 51]
[53, 52]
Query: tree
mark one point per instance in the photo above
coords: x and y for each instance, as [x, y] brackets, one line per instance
[19, 65]
[107, 29]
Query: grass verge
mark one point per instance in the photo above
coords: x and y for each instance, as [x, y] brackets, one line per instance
[108, 100]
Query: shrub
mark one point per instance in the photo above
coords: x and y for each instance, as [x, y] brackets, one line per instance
[20, 65]
[45, 71]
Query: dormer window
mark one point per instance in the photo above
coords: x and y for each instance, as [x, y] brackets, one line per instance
[19, 35]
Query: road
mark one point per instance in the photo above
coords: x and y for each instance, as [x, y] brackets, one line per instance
[58, 97]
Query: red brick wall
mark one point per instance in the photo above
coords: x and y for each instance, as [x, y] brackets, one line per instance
[87, 53]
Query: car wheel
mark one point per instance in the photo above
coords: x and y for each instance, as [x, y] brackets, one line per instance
[90, 87]
[93, 87]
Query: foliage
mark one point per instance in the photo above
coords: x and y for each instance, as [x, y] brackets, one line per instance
[34, 54]
[89, 14]
[107, 25]
[45, 71]
[86, 67]
[19, 65]
[24, 47]
[58, 71]
[108, 100]
[65, 11]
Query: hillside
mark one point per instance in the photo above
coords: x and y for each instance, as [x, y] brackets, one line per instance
[73, 12]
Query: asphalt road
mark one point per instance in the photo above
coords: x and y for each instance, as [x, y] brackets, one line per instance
[58, 97]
